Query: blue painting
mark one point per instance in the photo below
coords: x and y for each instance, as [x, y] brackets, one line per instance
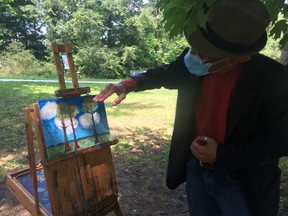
[44, 200]
[71, 124]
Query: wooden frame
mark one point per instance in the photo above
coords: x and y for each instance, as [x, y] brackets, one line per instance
[79, 183]
[24, 197]
[63, 92]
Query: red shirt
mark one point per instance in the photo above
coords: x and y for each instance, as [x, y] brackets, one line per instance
[216, 95]
[130, 84]
[217, 91]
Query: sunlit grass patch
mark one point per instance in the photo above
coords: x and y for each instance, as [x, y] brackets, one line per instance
[140, 122]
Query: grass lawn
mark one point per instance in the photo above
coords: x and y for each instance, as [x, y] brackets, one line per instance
[142, 123]
[147, 110]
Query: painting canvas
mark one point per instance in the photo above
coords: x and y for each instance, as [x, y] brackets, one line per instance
[25, 181]
[71, 124]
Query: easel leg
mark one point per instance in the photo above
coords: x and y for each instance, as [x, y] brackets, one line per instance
[117, 210]
[31, 154]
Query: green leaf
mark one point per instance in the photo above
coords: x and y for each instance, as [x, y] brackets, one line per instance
[176, 14]
[201, 19]
[278, 29]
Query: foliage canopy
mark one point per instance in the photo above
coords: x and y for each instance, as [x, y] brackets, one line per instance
[109, 38]
[175, 12]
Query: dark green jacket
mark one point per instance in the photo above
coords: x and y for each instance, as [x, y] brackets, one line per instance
[257, 126]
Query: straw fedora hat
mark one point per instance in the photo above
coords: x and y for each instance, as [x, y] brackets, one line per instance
[233, 28]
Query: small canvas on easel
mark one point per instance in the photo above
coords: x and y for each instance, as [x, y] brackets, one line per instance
[71, 124]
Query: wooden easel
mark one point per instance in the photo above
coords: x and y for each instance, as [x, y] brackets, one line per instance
[63, 91]
[80, 183]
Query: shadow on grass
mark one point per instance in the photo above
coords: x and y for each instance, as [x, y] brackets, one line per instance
[140, 165]
[140, 160]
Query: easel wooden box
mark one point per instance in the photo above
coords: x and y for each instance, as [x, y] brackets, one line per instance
[78, 183]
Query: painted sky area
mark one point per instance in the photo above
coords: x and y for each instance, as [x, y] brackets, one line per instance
[77, 113]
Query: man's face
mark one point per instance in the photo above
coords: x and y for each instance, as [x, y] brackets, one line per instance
[218, 64]
[206, 58]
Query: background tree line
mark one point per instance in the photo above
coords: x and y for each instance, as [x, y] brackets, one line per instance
[108, 37]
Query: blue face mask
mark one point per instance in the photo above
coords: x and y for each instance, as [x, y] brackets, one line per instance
[195, 65]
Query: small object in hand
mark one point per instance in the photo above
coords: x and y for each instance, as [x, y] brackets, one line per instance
[202, 142]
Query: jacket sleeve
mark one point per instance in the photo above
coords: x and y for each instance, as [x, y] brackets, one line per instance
[167, 76]
[261, 136]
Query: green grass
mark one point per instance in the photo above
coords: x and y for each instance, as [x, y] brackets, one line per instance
[51, 77]
[142, 122]
[137, 119]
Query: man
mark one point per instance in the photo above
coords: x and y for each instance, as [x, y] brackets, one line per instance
[231, 124]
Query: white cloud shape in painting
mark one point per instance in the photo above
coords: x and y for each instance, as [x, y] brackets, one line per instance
[67, 123]
[48, 111]
[86, 119]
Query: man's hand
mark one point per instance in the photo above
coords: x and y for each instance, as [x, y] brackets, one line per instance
[110, 89]
[204, 149]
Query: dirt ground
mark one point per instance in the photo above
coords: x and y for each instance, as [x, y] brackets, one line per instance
[141, 182]
[139, 194]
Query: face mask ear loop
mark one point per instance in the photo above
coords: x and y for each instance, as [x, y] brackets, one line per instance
[195, 55]
[199, 58]
[245, 59]
[226, 68]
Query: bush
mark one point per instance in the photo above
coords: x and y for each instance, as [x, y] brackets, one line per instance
[99, 62]
[15, 60]
[45, 70]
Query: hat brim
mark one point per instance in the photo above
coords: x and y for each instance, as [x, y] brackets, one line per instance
[198, 41]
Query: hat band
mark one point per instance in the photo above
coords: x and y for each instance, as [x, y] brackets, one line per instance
[223, 44]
